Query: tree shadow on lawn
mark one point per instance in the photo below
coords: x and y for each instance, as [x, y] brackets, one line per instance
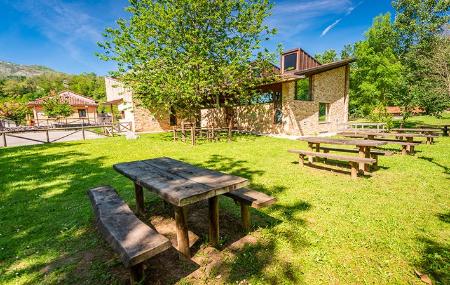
[47, 227]
[435, 260]
[252, 259]
[431, 160]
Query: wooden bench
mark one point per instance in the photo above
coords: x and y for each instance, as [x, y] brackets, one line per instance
[353, 160]
[407, 147]
[374, 153]
[250, 198]
[132, 239]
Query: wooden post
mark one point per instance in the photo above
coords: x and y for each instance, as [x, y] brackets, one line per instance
[4, 140]
[193, 135]
[112, 120]
[82, 130]
[245, 216]
[175, 138]
[47, 135]
[354, 170]
[445, 129]
[183, 133]
[182, 231]
[138, 191]
[213, 204]
[137, 273]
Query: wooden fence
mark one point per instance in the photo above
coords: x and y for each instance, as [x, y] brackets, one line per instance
[106, 129]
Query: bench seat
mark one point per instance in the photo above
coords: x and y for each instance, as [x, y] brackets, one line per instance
[372, 151]
[132, 239]
[353, 160]
[250, 198]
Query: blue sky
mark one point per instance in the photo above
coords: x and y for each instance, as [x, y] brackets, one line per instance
[62, 34]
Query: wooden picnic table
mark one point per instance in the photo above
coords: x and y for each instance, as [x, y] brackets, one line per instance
[409, 137]
[181, 184]
[363, 145]
[416, 130]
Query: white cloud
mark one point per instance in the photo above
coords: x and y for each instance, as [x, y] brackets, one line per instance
[327, 29]
[347, 13]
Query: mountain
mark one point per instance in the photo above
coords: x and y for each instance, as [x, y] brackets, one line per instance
[13, 69]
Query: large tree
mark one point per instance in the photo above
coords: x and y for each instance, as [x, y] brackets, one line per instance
[190, 54]
[377, 76]
[419, 24]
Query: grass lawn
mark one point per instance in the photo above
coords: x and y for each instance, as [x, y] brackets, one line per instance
[325, 228]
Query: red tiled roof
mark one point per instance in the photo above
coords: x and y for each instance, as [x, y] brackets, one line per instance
[69, 97]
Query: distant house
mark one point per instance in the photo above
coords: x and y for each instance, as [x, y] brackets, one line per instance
[397, 111]
[84, 108]
[142, 119]
[306, 98]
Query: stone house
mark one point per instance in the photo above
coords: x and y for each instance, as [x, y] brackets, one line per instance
[308, 98]
[83, 109]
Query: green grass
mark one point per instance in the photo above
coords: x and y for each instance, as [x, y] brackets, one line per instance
[325, 228]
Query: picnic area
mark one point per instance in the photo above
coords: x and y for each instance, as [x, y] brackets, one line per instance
[323, 228]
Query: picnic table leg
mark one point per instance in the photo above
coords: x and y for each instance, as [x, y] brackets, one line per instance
[182, 231]
[311, 147]
[445, 133]
[245, 216]
[354, 170]
[366, 155]
[139, 192]
[213, 204]
[362, 154]
[404, 150]
[136, 273]
[408, 147]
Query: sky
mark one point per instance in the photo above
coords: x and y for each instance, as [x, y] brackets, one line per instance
[63, 34]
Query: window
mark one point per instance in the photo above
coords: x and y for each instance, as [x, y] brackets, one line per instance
[323, 112]
[82, 113]
[262, 98]
[290, 62]
[303, 89]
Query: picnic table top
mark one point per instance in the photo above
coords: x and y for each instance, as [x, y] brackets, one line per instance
[382, 134]
[416, 130]
[319, 140]
[177, 182]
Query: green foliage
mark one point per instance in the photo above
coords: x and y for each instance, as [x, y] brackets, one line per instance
[327, 56]
[190, 54]
[14, 111]
[55, 108]
[30, 88]
[377, 78]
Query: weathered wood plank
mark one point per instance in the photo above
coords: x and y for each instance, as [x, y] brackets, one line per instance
[334, 156]
[177, 182]
[320, 140]
[132, 239]
[252, 198]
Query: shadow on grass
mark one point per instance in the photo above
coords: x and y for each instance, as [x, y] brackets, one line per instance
[431, 160]
[435, 260]
[253, 260]
[47, 224]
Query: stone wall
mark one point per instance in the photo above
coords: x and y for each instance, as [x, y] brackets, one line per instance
[302, 117]
[299, 117]
[146, 121]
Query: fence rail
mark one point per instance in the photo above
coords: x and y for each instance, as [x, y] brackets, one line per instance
[106, 129]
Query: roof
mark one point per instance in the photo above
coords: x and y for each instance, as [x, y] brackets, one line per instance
[325, 67]
[69, 97]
